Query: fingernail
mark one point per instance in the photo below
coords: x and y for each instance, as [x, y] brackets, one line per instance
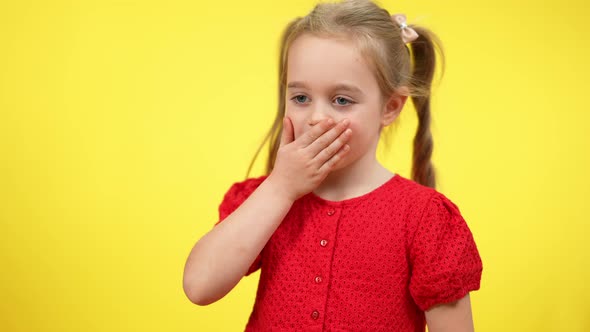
[330, 121]
[345, 122]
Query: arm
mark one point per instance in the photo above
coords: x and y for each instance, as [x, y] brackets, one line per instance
[446, 266]
[450, 317]
[221, 258]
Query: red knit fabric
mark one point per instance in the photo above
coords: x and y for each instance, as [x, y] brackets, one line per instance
[369, 263]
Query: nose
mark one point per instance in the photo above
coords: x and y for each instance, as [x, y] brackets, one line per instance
[317, 115]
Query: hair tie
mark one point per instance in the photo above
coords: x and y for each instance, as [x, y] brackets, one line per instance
[408, 34]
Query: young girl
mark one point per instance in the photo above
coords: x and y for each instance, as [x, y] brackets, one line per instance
[344, 244]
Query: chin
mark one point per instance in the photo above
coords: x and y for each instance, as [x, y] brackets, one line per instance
[345, 162]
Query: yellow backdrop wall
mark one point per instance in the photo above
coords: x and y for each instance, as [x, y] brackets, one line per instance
[122, 124]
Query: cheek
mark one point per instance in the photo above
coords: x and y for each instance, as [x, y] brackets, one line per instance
[297, 124]
[357, 133]
[297, 132]
[361, 136]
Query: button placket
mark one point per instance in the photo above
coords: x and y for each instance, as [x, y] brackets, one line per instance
[332, 214]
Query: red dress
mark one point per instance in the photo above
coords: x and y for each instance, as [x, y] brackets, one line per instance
[368, 263]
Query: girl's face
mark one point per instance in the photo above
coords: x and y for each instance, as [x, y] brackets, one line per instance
[328, 78]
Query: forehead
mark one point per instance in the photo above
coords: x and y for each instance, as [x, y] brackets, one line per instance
[323, 61]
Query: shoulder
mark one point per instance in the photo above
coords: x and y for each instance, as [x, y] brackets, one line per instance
[245, 187]
[414, 195]
[237, 193]
[426, 197]
[440, 208]
[427, 207]
[438, 222]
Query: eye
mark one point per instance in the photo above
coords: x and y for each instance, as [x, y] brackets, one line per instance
[341, 101]
[299, 99]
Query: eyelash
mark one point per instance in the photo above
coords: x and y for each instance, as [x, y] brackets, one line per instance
[349, 102]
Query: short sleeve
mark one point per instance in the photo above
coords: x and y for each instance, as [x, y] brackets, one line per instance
[445, 262]
[233, 198]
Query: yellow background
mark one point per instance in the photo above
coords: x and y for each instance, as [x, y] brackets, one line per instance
[123, 123]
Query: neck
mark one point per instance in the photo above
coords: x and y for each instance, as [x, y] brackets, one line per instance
[356, 179]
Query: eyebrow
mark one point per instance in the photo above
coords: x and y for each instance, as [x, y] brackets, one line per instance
[339, 86]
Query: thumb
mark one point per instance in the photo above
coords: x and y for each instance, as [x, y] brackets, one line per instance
[287, 133]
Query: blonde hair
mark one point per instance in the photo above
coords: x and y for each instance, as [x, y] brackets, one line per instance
[394, 64]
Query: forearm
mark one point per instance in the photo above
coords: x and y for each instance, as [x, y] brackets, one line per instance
[220, 259]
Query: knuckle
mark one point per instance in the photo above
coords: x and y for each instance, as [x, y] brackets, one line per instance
[334, 160]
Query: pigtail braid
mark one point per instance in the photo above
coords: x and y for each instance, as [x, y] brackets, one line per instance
[423, 53]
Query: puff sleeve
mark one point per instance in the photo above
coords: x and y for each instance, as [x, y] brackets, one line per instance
[445, 262]
[233, 198]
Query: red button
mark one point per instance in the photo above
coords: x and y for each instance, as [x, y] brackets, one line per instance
[323, 243]
[318, 279]
[331, 212]
[315, 314]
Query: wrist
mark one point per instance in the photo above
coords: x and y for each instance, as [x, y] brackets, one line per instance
[279, 189]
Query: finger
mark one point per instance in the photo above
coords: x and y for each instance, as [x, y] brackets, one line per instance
[329, 151]
[315, 132]
[327, 138]
[337, 158]
[287, 133]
